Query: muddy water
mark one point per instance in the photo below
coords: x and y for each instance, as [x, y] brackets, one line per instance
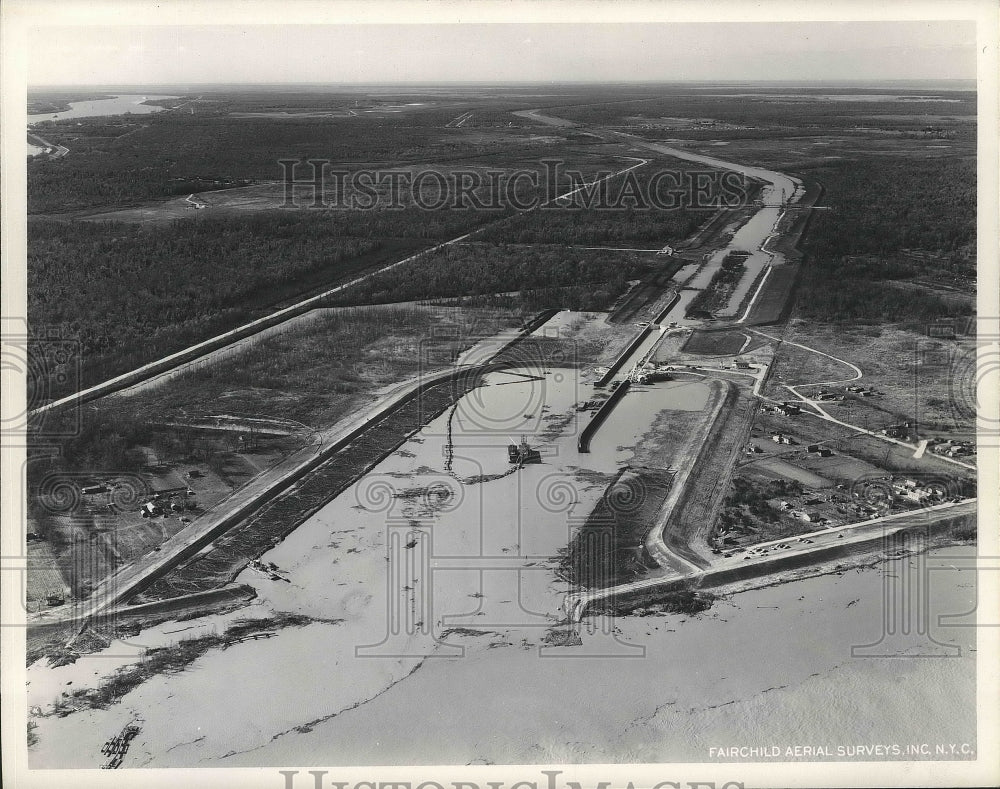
[452, 521]
[771, 667]
[379, 662]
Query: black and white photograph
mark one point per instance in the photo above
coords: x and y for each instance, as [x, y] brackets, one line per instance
[513, 395]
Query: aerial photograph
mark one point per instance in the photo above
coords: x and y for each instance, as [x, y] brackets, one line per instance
[511, 394]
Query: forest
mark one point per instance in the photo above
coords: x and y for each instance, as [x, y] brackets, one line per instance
[669, 207]
[881, 209]
[125, 161]
[473, 269]
[128, 293]
[801, 108]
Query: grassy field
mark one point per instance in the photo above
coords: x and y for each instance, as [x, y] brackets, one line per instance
[714, 343]
[773, 300]
[916, 375]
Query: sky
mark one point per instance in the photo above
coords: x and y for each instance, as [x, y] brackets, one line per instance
[119, 55]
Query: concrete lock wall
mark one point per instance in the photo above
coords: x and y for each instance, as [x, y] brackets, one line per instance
[583, 442]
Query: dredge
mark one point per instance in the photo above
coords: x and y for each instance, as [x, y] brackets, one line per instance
[523, 453]
[649, 374]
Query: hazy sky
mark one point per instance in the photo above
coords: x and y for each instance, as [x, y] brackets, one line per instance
[502, 52]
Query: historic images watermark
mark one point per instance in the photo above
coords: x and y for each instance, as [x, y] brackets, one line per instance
[545, 779]
[501, 382]
[77, 588]
[318, 183]
[494, 562]
[45, 364]
[912, 510]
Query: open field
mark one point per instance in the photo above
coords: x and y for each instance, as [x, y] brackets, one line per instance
[774, 300]
[889, 458]
[711, 343]
[917, 377]
[317, 370]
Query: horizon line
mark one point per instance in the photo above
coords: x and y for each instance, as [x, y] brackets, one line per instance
[410, 83]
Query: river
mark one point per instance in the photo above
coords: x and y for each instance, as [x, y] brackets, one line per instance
[131, 103]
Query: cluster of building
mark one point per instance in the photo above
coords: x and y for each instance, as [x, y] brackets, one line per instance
[896, 431]
[801, 515]
[905, 489]
[950, 448]
[915, 492]
[168, 494]
[785, 409]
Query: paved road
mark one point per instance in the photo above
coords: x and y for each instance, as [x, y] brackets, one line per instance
[655, 542]
[763, 555]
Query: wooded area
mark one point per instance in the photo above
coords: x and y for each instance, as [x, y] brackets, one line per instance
[128, 293]
[474, 269]
[880, 210]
